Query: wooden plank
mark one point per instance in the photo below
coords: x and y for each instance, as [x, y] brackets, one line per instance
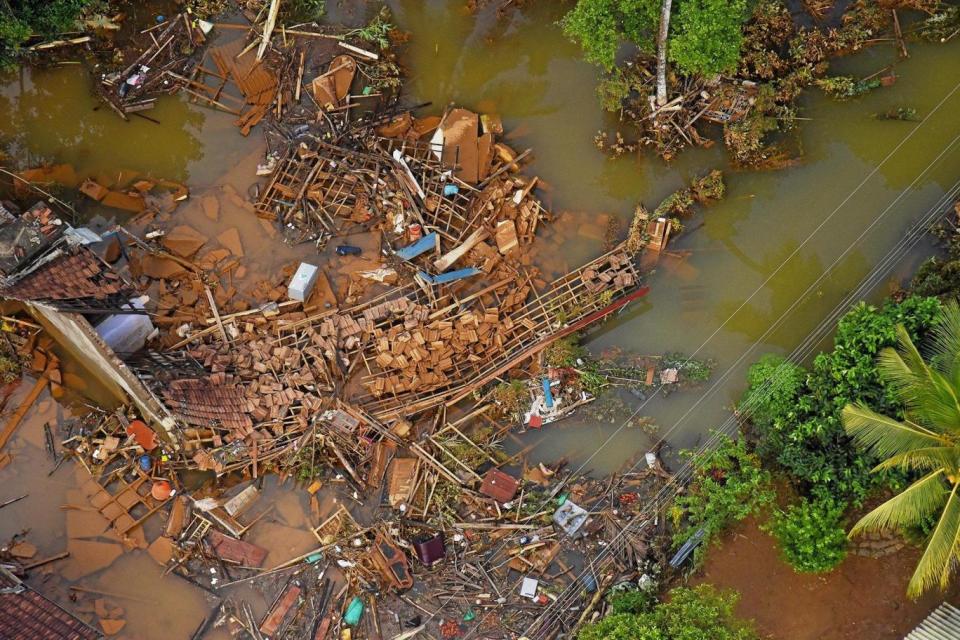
[24, 407]
[273, 620]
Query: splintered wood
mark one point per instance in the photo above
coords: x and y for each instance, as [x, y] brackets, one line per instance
[255, 80]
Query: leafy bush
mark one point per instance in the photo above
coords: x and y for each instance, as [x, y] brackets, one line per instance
[705, 35]
[19, 19]
[810, 533]
[708, 36]
[796, 418]
[701, 613]
[600, 26]
[631, 601]
[728, 485]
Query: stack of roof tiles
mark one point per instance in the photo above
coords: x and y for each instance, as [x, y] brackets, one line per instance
[72, 276]
[208, 401]
[27, 615]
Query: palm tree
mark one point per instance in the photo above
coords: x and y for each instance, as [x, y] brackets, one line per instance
[926, 441]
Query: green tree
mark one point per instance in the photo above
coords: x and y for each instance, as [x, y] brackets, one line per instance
[728, 485]
[795, 413]
[704, 37]
[700, 613]
[19, 19]
[926, 442]
[708, 36]
[601, 26]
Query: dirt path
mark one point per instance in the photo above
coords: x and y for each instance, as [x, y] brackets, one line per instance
[863, 599]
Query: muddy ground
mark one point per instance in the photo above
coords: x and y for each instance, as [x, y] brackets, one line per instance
[863, 598]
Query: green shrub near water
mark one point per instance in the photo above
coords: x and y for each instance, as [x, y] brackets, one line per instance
[796, 421]
[705, 35]
[19, 19]
[708, 35]
[700, 613]
[810, 533]
[728, 485]
[795, 417]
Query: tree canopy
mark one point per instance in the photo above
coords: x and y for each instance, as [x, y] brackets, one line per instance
[705, 35]
[925, 443]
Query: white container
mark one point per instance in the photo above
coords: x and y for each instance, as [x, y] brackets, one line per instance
[529, 588]
[127, 332]
[302, 282]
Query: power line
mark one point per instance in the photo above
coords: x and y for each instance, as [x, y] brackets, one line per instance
[669, 490]
[810, 236]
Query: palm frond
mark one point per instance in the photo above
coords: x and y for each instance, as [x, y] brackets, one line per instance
[885, 436]
[921, 499]
[939, 559]
[925, 459]
[945, 343]
[937, 405]
[899, 369]
[930, 398]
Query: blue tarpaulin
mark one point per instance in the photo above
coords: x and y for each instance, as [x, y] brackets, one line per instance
[450, 276]
[424, 244]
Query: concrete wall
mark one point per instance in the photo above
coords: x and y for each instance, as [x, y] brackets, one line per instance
[81, 340]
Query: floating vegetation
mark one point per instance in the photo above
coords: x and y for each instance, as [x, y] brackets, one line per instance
[943, 25]
[709, 188]
[906, 114]
[846, 87]
[512, 397]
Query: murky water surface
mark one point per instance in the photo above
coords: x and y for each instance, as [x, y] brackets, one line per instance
[743, 266]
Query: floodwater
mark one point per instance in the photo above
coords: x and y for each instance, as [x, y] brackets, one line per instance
[751, 258]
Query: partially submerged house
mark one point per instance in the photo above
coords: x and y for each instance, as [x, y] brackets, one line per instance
[59, 275]
[25, 614]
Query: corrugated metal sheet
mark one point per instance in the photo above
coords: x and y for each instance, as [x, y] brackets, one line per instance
[942, 624]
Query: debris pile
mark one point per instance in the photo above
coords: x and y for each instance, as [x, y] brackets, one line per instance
[167, 56]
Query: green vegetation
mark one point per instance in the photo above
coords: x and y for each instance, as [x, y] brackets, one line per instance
[564, 352]
[795, 421]
[9, 369]
[940, 276]
[810, 533]
[728, 485]
[303, 10]
[511, 397]
[601, 26]
[20, 19]
[705, 36]
[377, 31]
[701, 613]
[708, 35]
[922, 440]
[846, 87]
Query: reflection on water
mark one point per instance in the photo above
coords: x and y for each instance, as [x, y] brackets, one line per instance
[750, 257]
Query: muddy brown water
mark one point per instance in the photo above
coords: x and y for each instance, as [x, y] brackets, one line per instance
[751, 257]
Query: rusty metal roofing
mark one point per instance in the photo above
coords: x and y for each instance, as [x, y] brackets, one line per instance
[202, 402]
[27, 615]
[499, 485]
